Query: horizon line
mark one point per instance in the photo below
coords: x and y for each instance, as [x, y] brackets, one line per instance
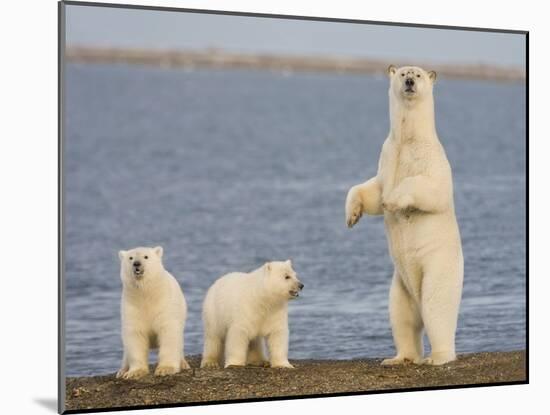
[214, 57]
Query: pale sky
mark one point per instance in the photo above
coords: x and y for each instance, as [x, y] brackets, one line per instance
[102, 26]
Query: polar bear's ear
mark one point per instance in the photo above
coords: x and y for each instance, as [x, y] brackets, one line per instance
[158, 250]
[432, 75]
[121, 255]
[289, 263]
[267, 267]
[392, 69]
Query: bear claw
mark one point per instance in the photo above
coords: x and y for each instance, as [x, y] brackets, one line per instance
[166, 370]
[210, 365]
[135, 374]
[400, 361]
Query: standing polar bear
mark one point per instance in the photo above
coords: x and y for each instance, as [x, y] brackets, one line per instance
[413, 189]
[153, 313]
[241, 310]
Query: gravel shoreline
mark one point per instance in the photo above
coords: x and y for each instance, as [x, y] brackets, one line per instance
[310, 377]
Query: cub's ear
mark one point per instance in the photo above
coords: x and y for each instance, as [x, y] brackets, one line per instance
[158, 250]
[289, 263]
[392, 69]
[121, 255]
[267, 267]
[432, 75]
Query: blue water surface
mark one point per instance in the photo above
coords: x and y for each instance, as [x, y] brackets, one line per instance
[227, 169]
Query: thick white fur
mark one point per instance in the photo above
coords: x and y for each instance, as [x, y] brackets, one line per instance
[413, 189]
[241, 311]
[153, 311]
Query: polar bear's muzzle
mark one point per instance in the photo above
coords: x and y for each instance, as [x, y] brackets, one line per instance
[296, 292]
[410, 86]
[138, 269]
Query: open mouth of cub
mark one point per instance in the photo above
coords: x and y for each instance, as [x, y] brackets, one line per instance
[138, 272]
[294, 293]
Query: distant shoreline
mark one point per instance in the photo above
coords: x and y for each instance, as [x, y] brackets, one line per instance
[310, 377]
[214, 58]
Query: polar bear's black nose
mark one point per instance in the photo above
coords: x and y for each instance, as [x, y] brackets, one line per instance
[137, 264]
[409, 82]
[301, 286]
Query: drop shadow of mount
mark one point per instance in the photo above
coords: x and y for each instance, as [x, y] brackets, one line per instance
[48, 403]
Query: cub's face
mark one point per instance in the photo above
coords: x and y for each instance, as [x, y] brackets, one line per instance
[140, 264]
[410, 82]
[282, 279]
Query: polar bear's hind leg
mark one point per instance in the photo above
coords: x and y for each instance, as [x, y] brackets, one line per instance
[170, 341]
[406, 324]
[256, 355]
[212, 353]
[123, 367]
[441, 293]
[236, 347]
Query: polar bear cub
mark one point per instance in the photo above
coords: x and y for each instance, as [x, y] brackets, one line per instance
[153, 313]
[240, 310]
[413, 189]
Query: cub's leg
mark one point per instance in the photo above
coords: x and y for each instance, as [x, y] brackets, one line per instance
[136, 350]
[256, 355]
[406, 324]
[123, 367]
[170, 339]
[363, 198]
[184, 364]
[441, 293]
[236, 347]
[277, 342]
[212, 352]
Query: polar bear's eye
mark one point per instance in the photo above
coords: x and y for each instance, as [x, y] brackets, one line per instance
[402, 74]
[287, 277]
[418, 75]
[146, 257]
[131, 258]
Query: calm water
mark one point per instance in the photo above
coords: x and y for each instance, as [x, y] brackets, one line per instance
[229, 169]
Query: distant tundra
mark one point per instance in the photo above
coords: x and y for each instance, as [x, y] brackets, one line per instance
[413, 189]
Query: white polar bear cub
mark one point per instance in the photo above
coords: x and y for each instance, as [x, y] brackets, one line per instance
[241, 310]
[153, 311]
[413, 189]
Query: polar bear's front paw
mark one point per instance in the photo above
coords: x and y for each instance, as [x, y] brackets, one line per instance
[438, 359]
[258, 363]
[121, 372]
[401, 361]
[282, 365]
[166, 370]
[397, 201]
[354, 208]
[210, 364]
[136, 373]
